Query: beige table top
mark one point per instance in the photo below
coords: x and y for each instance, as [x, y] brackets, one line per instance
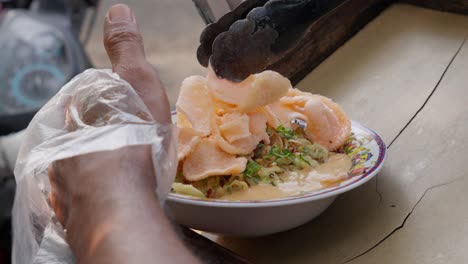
[406, 76]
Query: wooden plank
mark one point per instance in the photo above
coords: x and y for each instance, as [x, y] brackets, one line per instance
[429, 159]
[326, 35]
[382, 77]
[454, 6]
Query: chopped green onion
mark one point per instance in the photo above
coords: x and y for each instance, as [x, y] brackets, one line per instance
[285, 132]
[251, 169]
[280, 153]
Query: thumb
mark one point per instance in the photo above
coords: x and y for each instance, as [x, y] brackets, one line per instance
[124, 46]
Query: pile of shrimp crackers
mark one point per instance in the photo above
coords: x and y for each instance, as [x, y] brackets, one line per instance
[221, 122]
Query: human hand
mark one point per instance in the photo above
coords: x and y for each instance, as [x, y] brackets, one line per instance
[108, 172]
[96, 196]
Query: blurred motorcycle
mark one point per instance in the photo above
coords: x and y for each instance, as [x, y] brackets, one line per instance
[41, 48]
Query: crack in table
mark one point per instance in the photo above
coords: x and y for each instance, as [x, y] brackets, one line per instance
[404, 220]
[391, 143]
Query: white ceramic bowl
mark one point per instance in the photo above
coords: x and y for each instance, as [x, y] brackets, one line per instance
[255, 218]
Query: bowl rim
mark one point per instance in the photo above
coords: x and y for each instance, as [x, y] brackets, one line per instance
[296, 199]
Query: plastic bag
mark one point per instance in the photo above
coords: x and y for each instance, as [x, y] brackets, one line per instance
[96, 111]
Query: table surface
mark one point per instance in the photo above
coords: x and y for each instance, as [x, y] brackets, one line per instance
[406, 76]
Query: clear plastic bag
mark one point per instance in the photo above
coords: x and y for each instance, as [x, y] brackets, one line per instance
[96, 111]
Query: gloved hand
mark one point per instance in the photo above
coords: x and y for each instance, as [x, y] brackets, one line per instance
[106, 200]
[124, 46]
